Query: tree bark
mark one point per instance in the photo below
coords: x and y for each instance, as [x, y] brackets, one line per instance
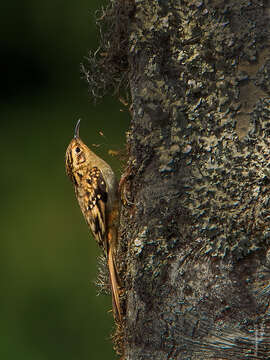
[195, 225]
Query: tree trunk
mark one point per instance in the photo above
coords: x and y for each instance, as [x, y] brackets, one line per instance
[196, 220]
[195, 224]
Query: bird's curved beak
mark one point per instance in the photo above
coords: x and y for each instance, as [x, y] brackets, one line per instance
[77, 130]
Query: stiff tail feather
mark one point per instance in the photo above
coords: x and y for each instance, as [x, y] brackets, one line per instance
[114, 284]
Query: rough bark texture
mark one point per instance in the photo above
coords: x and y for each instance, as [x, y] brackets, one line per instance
[194, 255]
[196, 220]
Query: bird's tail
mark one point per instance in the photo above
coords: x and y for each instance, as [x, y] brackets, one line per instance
[114, 284]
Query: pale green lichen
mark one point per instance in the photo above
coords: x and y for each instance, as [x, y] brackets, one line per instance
[230, 194]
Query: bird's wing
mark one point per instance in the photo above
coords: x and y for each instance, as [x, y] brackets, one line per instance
[96, 194]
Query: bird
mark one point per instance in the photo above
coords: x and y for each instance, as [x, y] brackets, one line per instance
[96, 189]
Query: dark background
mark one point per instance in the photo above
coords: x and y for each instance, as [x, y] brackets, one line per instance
[49, 308]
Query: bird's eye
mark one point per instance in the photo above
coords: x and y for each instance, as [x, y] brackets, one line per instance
[77, 150]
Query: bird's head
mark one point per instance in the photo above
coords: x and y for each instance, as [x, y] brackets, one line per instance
[77, 154]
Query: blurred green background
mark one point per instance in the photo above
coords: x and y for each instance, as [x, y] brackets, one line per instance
[49, 308]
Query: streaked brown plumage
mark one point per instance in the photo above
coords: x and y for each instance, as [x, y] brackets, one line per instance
[96, 189]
